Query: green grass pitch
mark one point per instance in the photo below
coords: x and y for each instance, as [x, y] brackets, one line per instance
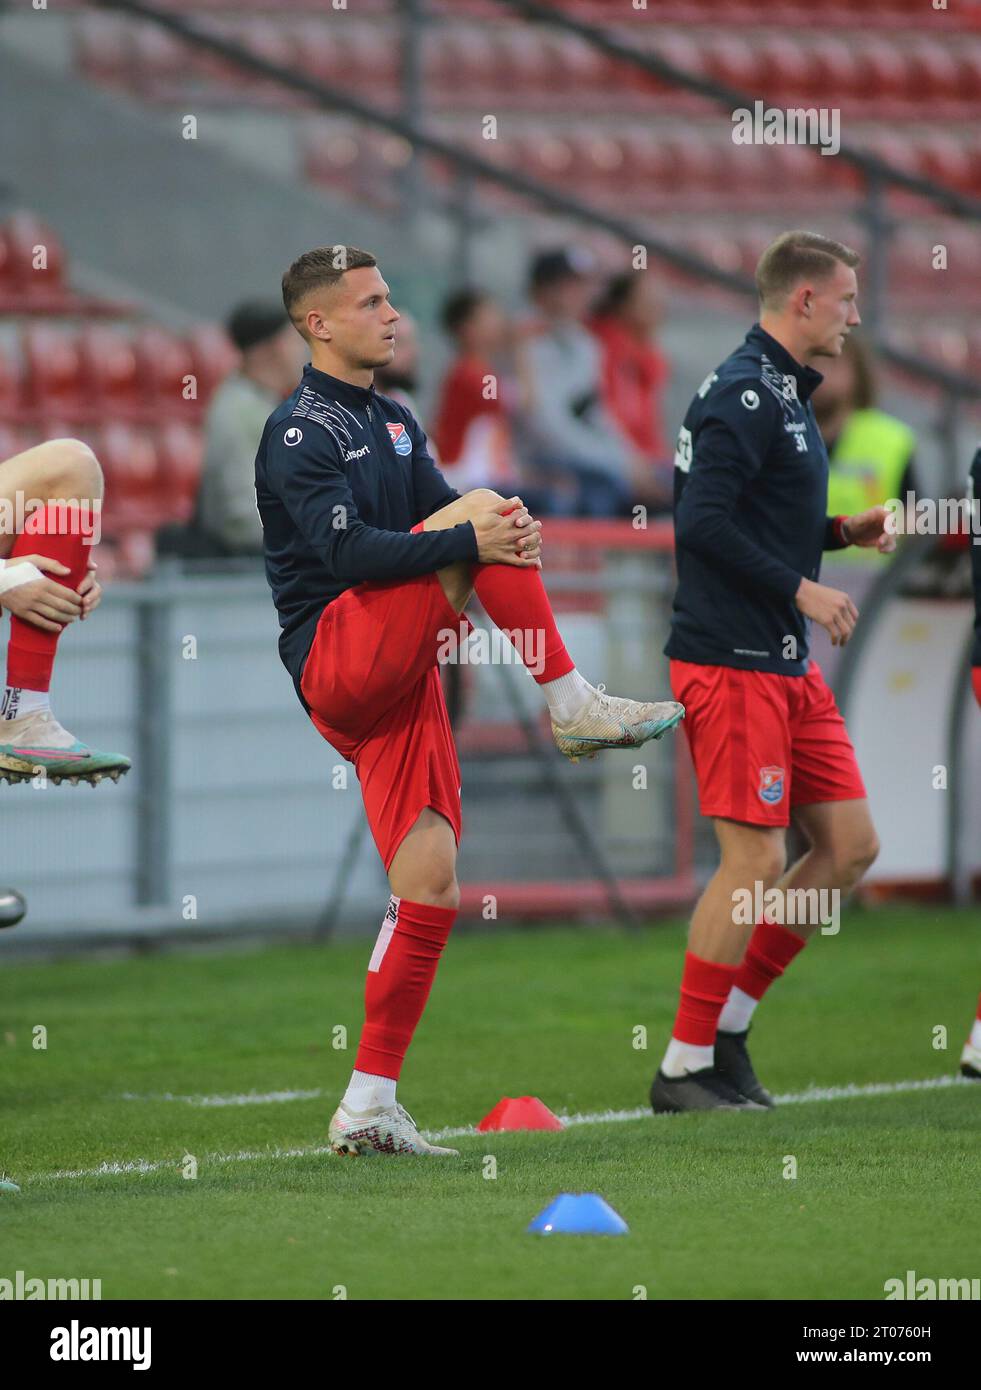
[884, 1183]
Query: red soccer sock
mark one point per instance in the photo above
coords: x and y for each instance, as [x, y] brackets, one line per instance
[976, 682]
[516, 600]
[705, 986]
[770, 951]
[31, 650]
[400, 976]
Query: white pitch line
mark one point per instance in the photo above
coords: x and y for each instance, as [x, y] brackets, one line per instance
[813, 1093]
[246, 1098]
[143, 1165]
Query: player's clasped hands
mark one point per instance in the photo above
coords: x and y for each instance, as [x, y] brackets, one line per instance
[44, 602]
[831, 608]
[512, 539]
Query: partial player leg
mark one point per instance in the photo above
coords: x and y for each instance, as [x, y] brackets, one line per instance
[843, 844]
[689, 1078]
[971, 1055]
[585, 719]
[59, 485]
[417, 924]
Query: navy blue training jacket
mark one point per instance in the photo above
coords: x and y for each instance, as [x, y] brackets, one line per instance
[341, 477]
[750, 512]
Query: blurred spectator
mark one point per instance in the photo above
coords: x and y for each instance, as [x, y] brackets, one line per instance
[272, 354]
[634, 372]
[572, 443]
[473, 431]
[870, 453]
[400, 378]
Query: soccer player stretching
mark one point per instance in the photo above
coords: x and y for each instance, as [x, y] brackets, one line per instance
[58, 486]
[767, 740]
[371, 558]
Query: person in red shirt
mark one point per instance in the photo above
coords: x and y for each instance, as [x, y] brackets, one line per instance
[473, 431]
[625, 320]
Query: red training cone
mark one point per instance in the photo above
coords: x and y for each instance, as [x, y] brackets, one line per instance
[522, 1112]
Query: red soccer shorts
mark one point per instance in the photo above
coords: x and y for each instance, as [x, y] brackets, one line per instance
[763, 743]
[373, 687]
[976, 682]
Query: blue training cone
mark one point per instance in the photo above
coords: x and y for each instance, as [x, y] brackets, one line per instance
[578, 1214]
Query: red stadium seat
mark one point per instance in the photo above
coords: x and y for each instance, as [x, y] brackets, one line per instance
[519, 68]
[54, 384]
[731, 60]
[110, 370]
[160, 62]
[836, 70]
[884, 69]
[318, 51]
[214, 358]
[104, 48]
[13, 409]
[133, 486]
[683, 50]
[947, 160]
[577, 70]
[788, 66]
[12, 441]
[32, 267]
[466, 63]
[166, 367]
[180, 449]
[932, 71]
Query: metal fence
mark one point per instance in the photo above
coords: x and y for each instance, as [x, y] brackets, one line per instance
[238, 815]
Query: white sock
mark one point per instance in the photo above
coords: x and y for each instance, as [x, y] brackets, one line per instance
[976, 1034]
[682, 1057]
[17, 702]
[737, 1011]
[367, 1092]
[567, 696]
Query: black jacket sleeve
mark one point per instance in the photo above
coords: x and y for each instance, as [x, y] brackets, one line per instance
[309, 479]
[728, 452]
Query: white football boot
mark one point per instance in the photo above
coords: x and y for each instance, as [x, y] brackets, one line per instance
[971, 1062]
[608, 721]
[37, 743]
[384, 1130]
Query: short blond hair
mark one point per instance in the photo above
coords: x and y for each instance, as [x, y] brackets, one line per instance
[796, 256]
[316, 270]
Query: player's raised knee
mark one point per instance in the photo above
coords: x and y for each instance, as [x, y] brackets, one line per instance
[483, 496]
[71, 470]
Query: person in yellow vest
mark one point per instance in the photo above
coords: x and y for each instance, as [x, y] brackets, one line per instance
[870, 453]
